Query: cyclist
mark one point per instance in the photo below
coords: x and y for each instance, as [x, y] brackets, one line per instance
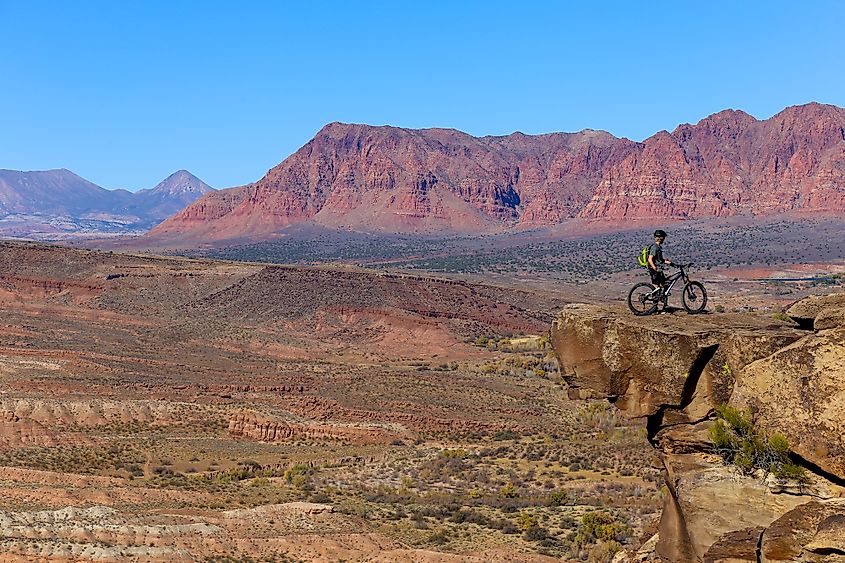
[656, 261]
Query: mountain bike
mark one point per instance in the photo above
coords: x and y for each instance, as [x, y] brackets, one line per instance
[644, 298]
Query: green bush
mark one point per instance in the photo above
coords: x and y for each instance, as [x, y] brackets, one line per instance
[439, 537]
[509, 491]
[599, 525]
[558, 498]
[741, 444]
[505, 435]
[525, 521]
[536, 533]
[295, 473]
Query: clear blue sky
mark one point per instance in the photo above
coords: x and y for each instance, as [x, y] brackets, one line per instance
[124, 93]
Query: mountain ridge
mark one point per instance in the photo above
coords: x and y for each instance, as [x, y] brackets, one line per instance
[386, 178]
[58, 203]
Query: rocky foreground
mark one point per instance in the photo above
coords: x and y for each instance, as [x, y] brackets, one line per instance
[674, 371]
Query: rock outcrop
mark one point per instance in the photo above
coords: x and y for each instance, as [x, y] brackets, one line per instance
[674, 371]
[266, 429]
[799, 391]
[818, 312]
[295, 508]
[431, 180]
[814, 531]
[52, 412]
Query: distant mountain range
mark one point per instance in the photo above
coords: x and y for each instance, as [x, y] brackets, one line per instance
[371, 178]
[57, 204]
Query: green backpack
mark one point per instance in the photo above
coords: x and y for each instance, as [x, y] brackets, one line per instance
[642, 257]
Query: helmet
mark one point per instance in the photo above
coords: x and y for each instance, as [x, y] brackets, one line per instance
[660, 233]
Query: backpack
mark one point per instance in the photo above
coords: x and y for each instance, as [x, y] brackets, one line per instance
[642, 257]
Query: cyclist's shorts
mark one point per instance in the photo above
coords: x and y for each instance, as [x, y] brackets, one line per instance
[657, 277]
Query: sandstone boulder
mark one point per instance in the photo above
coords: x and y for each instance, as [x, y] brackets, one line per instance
[805, 311]
[711, 507]
[799, 391]
[809, 532]
[831, 317]
[675, 367]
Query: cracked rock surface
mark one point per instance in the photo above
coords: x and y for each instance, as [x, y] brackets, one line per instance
[673, 371]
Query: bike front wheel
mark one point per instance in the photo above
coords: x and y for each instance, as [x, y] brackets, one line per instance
[694, 297]
[643, 299]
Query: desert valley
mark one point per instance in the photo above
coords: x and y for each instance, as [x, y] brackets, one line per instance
[413, 345]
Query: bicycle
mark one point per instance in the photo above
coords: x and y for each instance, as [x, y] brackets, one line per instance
[644, 298]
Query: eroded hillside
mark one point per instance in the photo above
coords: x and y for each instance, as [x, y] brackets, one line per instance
[162, 409]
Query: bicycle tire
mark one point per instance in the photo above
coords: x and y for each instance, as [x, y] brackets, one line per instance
[694, 297]
[640, 303]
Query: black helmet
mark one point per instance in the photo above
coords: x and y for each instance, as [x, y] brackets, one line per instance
[660, 233]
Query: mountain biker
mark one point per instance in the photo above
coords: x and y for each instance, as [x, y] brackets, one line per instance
[656, 261]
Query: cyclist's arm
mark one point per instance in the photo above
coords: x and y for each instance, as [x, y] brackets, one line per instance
[653, 266]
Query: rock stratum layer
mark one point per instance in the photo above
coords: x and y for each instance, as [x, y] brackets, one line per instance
[674, 372]
[430, 180]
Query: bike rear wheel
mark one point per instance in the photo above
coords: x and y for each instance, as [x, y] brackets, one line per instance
[694, 297]
[643, 299]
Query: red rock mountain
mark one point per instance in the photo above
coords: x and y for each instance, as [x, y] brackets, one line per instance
[432, 180]
[729, 164]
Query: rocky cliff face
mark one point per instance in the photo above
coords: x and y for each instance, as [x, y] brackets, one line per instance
[408, 180]
[674, 372]
[729, 164]
[388, 178]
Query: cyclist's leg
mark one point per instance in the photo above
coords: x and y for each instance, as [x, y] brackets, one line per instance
[658, 278]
